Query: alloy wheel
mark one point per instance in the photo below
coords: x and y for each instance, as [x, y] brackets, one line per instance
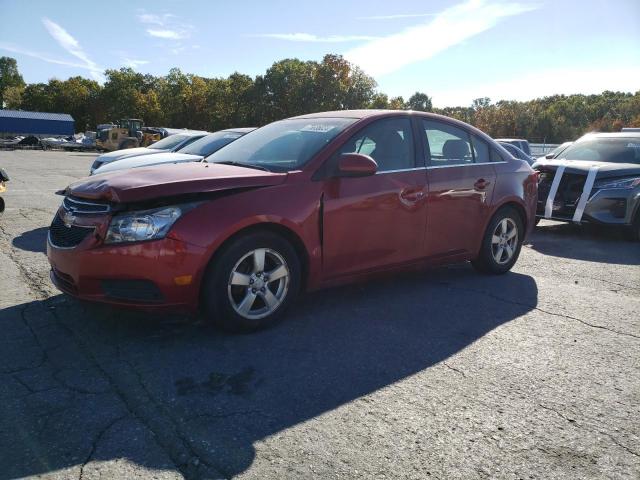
[258, 283]
[504, 241]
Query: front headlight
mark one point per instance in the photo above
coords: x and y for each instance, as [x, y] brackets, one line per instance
[143, 225]
[631, 182]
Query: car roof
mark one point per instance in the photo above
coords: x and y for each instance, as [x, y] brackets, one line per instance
[626, 134]
[239, 130]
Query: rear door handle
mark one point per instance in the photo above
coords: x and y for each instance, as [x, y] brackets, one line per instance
[411, 194]
[481, 184]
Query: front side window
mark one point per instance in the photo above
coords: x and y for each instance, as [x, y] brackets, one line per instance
[284, 145]
[388, 141]
[447, 145]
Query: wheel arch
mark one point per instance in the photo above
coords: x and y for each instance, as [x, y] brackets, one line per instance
[518, 208]
[277, 228]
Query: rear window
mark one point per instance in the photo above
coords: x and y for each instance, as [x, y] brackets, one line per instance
[169, 142]
[211, 143]
[613, 150]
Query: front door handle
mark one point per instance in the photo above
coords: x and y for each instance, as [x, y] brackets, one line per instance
[481, 184]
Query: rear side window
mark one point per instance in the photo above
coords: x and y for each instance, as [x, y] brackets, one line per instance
[495, 156]
[480, 150]
[447, 145]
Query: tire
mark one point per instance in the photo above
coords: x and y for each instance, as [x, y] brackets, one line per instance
[1, 205]
[633, 232]
[487, 261]
[239, 307]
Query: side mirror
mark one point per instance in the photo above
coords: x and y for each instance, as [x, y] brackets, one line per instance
[356, 165]
[549, 156]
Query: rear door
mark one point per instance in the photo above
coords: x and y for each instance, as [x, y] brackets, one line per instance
[461, 182]
[379, 220]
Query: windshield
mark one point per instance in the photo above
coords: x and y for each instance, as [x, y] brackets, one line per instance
[211, 143]
[169, 142]
[284, 145]
[614, 150]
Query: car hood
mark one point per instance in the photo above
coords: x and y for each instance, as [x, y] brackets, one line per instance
[605, 169]
[153, 182]
[146, 161]
[126, 153]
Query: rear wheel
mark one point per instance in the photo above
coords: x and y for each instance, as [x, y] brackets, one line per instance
[250, 284]
[501, 243]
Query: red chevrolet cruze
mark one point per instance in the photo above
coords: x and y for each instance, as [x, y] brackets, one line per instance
[302, 203]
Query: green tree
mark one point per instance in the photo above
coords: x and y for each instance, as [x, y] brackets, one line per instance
[420, 101]
[9, 77]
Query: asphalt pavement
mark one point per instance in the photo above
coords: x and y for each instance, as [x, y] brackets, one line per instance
[440, 374]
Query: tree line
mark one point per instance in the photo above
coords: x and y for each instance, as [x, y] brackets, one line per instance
[293, 87]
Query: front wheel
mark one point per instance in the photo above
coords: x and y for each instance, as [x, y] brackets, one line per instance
[501, 243]
[251, 282]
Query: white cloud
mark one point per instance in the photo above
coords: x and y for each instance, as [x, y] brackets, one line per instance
[153, 19]
[308, 37]
[397, 16]
[40, 56]
[72, 46]
[543, 83]
[168, 34]
[165, 26]
[132, 63]
[421, 42]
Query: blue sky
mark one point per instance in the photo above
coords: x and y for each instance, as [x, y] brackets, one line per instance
[452, 50]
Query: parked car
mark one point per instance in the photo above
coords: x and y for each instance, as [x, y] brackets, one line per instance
[194, 152]
[3, 188]
[172, 143]
[517, 153]
[517, 142]
[303, 203]
[597, 180]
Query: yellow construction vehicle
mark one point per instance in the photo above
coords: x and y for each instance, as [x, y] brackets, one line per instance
[3, 178]
[127, 133]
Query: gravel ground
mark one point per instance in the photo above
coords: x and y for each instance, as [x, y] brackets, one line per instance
[443, 374]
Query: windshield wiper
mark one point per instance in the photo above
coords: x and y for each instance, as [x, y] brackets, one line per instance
[239, 164]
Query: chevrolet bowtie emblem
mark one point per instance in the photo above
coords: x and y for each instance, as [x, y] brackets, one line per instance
[67, 218]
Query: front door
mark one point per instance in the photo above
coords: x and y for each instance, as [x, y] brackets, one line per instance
[379, 220]
[461, 182]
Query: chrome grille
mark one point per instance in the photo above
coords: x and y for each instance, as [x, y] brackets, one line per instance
[84, 207]
[62, 236]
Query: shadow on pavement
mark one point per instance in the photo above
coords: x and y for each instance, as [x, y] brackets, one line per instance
[84, 382]
[588, 243]
[32, 241]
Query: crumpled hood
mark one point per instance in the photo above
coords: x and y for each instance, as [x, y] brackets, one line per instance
[147, 183]
[605, 169]
[146, 161]
[129, 152]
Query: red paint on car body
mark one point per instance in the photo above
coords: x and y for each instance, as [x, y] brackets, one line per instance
[344, 228]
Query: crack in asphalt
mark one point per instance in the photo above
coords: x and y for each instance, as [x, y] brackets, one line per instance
[96, 441]
[177, 448]
[176, 427]
[535, 307]
[454, 369]
[582, 425]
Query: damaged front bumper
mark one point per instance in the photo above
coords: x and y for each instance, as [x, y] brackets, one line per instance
[573, 196]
